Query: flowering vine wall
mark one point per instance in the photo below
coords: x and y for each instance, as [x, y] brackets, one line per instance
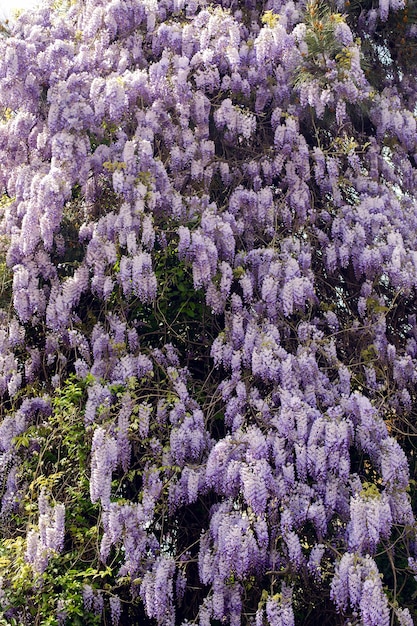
[208, 327]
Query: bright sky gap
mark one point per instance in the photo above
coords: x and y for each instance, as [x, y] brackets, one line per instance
[8, 7]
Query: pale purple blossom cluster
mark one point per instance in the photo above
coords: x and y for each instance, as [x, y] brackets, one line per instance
[104, 458]
[47, 538]
[357, 583]
[137, 136]
[278, 609]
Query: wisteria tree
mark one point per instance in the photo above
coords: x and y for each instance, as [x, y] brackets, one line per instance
[208, 329]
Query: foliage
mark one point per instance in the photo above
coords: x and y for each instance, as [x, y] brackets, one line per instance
[208, 274]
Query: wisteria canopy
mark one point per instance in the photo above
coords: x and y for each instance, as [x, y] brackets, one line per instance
[208, 335]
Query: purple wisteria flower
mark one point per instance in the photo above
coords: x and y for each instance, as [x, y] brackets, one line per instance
[48, 539]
